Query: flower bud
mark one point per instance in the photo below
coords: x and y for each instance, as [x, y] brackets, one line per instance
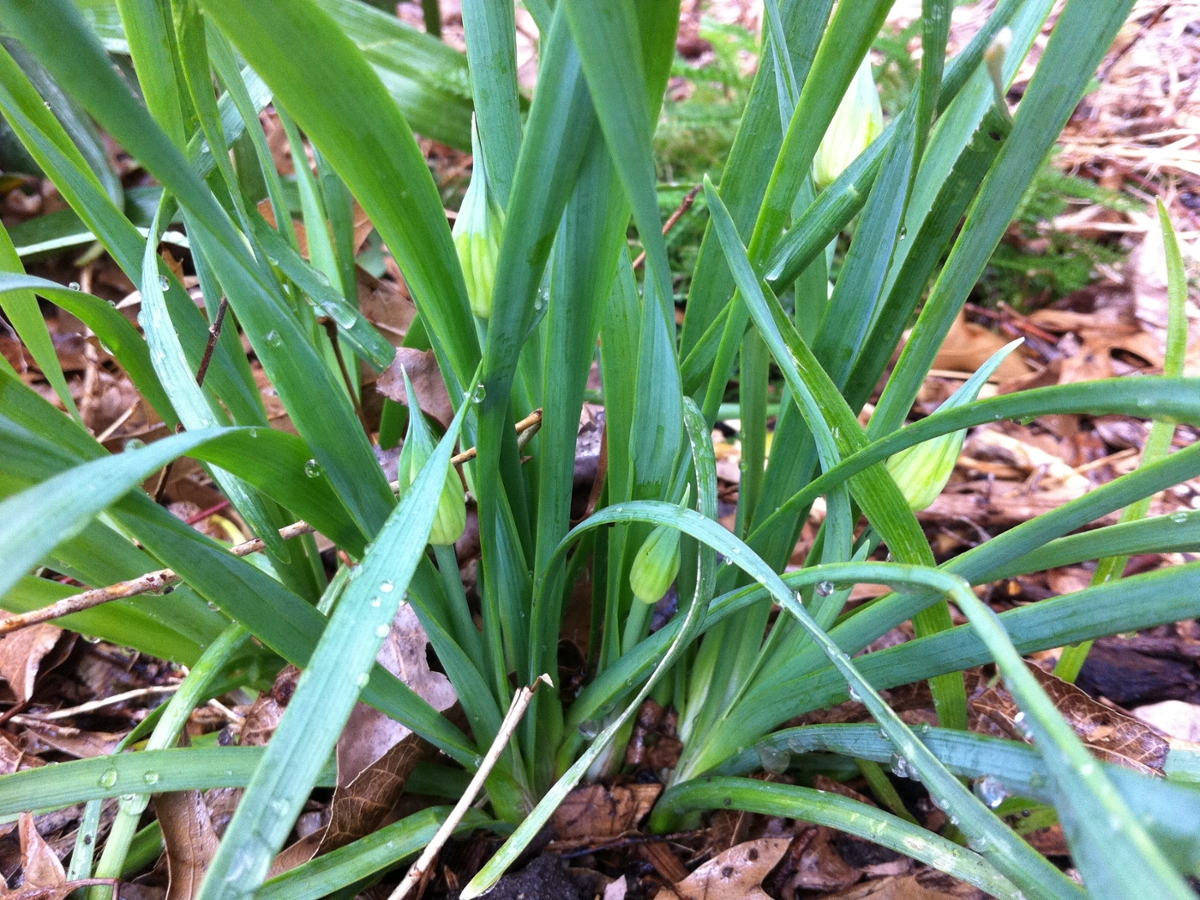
[657, 562]
[477, 233]
[857, 122]
[921, 472]
[451, 518]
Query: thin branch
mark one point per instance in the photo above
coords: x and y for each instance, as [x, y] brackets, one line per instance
[214, 335]
[163, 579]
[93, 705]
[511, 719]
[674, 218]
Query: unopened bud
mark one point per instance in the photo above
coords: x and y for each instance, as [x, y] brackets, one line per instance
[657, 562]
[478, 231]
[921, 472]
[857, 122]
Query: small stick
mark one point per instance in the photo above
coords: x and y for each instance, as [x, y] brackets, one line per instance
[671, 221]
[511, 719]
[163, 578]
[94, 704]
[214, 335]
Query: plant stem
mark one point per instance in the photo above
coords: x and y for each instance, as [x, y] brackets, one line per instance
[460, 611]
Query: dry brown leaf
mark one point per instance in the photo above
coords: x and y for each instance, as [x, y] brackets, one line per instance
[811, 863]
[596, 811]
[1112, 736]
[75, 741]
[736, 874]
[968, 346]
[375, 753]
[1028, 458]
[385, 304]
[189, 838]
[426, 380]
[41, 865]
[906, 888]
[263, 717]
[653, 744]
[358, 808]
[25, 653]
[13, 758]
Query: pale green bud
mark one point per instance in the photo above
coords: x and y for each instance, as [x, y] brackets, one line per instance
[857, 122]
[921, 472]
[451, 518]
[657, 562]
[478, 231]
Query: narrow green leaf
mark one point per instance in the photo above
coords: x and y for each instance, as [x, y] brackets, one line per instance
[843, 814]
[336, 673]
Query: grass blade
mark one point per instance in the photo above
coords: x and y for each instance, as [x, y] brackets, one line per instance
[336, 673]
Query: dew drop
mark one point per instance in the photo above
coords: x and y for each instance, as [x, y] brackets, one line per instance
[363, 680]
[774, 761]
[1179, 518]
[589, 729]
[382, 631]
[991, 791]
[904, 768]
[479, 394]
[273, 339]
[376, 602]
[1022, 726]
[903, 232]
[824, 588]
[134, 444]
[74, 285]
[387, 587]
[313, 469]
[109, 778]
[150, 778]
[164, 282]
[854, 695]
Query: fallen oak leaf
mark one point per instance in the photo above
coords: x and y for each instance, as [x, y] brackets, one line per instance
[189, 839]
[736, 874]
[26, 653]
[426, 380]
[596, 812]
[41, 865]
[1112, 736]
[58, 891]
[376, 754]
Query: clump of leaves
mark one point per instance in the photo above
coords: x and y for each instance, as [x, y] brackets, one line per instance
[751, 644]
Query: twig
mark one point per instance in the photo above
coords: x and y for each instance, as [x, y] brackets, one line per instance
[511, 719]
[163, 578]
[94, 705]
[214, 335]
[671, 221]
[120, 420]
